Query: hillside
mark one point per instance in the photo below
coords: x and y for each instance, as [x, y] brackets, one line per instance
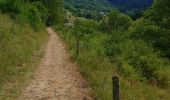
[93, 8]
[20, 51]
[100, 42]
[137, 51]
[87, 8]
[130, 5]
[22, 40]
[100, 5]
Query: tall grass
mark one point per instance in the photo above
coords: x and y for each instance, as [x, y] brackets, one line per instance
[98, 70]
[20, 51]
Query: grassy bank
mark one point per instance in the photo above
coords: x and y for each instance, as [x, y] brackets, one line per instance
[21, 49]
[98, 70]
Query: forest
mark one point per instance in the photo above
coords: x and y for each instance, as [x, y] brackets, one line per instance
[103, 41]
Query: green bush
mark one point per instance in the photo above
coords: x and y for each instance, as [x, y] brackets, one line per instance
[32, 13]
[32, 16]
[136, 53]
[43, 11]
[153, 34]
[116, 21]
[98, 69]
[146, 30]
[12, 7]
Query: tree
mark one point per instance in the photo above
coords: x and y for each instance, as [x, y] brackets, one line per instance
[160, 16]
[56, 11]
[117, 20]
[159, 11]
[81, 28]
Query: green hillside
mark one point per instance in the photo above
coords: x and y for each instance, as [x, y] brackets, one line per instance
[22, 40]
[90, 9]
[135, 51]
[93, 8]
[102, 42]
[21, 49]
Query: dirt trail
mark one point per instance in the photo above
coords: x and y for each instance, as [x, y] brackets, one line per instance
[56, 78]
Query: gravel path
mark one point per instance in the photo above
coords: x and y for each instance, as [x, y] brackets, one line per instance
[57, 77]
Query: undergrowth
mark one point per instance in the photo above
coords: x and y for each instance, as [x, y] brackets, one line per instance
[21, 48]
[98, 69]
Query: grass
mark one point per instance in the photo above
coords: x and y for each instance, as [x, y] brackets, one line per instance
[98, 70]
[20, 51]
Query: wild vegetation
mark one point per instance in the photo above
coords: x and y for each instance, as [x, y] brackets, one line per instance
[94, 9]
[22, 38]
[137, 51]
[91, 9]
[103, 41]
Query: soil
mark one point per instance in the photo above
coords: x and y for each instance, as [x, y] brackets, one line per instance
[57, 77]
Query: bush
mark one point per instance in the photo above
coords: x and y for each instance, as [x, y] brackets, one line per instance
[43, 11]
[32, 16]
[153, 34]
[31, 13]
[146, 30]
[135, 53]
[13, 7]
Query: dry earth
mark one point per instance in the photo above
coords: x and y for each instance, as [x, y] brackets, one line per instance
[57, 77]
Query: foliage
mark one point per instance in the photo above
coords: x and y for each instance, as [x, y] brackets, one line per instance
[43, 11]
[97, 68]
[90, 9]
[22, 38]
[159, 15]
[49, 12]
[25, 13]
[131, 5]
[134, 50]
[153, 34]
[154, 27]
[134, 47]
[135, 53]
[159, 11]
[55, 10]
[32, 16]
[116, 21]
[95, 9]
[143, 47]
[19, 54]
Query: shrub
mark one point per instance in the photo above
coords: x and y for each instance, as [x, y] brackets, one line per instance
[43, 11]
[31, 13]
[13, 7]
[32, 16]
[153, 34]
[138, 54]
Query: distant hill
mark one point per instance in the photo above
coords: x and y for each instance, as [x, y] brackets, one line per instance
[87, 8]
[100, 5]
[92, 8]
[130, 5]
[104, 5]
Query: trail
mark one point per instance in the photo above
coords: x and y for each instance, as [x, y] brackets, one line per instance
[57, 77]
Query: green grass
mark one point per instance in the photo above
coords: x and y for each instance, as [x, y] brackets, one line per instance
[98, 70]
[20, 51]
